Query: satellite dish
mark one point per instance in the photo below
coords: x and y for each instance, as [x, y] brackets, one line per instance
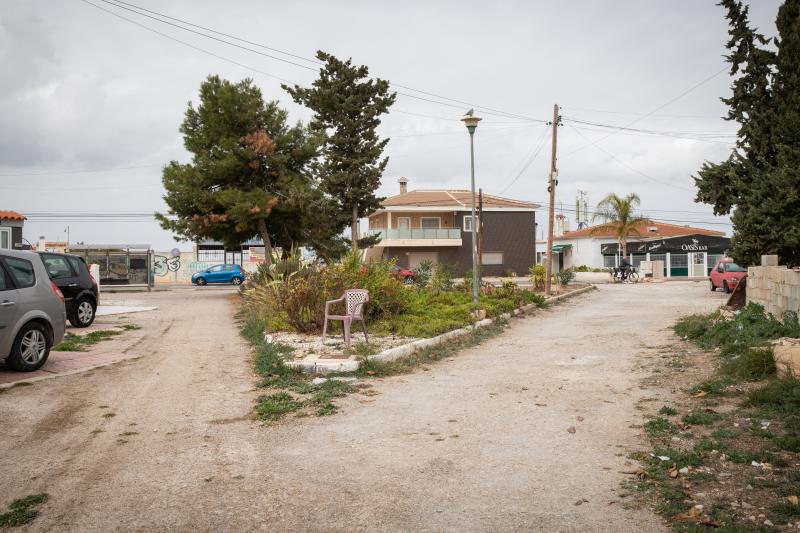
[175, 252]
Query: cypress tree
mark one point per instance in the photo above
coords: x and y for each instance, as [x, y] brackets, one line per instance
[347, 106]
[760, 181]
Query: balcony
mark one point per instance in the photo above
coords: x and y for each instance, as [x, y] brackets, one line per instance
[417, 236]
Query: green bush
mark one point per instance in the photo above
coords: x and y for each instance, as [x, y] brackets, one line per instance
[742, 340]
[423, 273]
[566, 275]
[537, 274]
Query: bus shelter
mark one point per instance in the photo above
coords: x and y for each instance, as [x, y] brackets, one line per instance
[120, 264]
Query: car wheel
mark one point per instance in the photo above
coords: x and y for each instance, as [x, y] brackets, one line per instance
[725, 287]
[236, 280]
[31, 348]
[713, 288]
[201, 281]
[82, 314]
[409, 280]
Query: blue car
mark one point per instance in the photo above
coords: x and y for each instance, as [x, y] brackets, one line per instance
[220, 274]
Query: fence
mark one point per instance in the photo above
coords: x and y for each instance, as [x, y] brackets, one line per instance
[775, 287]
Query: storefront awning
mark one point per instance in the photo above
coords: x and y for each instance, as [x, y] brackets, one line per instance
[558, 248]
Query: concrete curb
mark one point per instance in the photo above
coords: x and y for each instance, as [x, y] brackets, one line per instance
[398, 352]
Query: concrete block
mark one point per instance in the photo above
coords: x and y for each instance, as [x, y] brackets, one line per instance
[769, 260]
[787, 356]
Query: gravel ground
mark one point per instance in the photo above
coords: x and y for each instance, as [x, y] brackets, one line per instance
[477, 443]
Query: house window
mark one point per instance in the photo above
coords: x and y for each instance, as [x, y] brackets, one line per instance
[609, 261]
[492, 258]
[430, 222]
[403, 223]
[5, 239]
[468, 223]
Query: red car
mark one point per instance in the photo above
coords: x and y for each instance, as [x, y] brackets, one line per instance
[403, 274]
[727, 275]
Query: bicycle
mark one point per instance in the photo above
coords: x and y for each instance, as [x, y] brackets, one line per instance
[620, 277]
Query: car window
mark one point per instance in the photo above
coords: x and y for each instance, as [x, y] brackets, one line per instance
[77, 264]
[217, 268]
[57, 266]
[733, 267]
[22, 272]
[5, 282]
[229, 268]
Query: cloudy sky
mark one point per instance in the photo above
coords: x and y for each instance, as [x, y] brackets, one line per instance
[90, 103]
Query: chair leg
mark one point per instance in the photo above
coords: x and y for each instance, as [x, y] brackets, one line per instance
[346, 327]
[364, 324]
[325, 328]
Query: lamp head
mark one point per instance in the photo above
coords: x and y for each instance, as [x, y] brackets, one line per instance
[471, 122]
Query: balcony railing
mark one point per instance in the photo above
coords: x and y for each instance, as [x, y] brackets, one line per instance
[417, 233]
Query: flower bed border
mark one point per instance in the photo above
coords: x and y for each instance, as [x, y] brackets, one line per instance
[404, 350]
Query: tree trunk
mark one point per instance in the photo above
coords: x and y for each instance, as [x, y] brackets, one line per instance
[354, 228]
[624, 244]
[262, 229]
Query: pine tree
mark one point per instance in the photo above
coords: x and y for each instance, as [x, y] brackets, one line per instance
[347, 106]
[249, 172]
[760, 181]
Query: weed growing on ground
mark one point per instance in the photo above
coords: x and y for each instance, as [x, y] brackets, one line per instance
[79, 343]
[295, 392]
[22, 511]
[700, 417]
[713, 387]
[130, 327]
[659, 426]
[370, 367]
[669, 411]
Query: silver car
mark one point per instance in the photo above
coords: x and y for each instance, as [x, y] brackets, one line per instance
[32, 316]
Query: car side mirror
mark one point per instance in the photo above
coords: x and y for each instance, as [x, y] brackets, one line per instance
[720, 269]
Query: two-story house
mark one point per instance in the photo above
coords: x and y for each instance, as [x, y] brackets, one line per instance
[437, 225]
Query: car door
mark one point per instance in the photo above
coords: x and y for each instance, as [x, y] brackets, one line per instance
[62, 273]
[9, 300]
[215, 274]
[716, 275]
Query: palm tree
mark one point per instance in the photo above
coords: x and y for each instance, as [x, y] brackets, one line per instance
[618, 217]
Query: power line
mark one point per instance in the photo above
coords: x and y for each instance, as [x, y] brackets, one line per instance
[487, 110]
[85, 171]
[530, 159]
[642, 114]
[659, 108]
[621, 162]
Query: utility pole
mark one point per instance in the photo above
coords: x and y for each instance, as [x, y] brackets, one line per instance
[480, 230]
[552, 190]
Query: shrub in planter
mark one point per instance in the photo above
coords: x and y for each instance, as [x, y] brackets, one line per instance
[537, 274]
[566, 275]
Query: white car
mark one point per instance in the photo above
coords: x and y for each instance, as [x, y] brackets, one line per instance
[32, 316]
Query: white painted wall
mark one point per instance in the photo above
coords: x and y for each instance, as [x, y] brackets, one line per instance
[584, 251]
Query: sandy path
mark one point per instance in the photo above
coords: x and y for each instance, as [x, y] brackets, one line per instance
[462, 447]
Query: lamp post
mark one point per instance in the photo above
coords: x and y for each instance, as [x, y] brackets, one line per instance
[471, 122]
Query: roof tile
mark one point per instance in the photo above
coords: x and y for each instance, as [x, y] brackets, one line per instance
[457, 198]
[663, 229]
[11, 215]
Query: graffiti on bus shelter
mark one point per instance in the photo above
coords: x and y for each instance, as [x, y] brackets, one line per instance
[164, 265]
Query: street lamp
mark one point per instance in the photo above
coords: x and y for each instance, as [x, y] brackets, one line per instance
[471, 122]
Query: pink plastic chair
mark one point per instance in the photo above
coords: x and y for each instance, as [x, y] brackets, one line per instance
[354, 306]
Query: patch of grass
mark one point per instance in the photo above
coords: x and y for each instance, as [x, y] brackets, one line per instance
[713, 387]
[668, 411]
[22, 511]
[327, 409]
[700, 418]
[369, 367]
[109, 415]
[723, 433]
[750, 364]
[789, 443]
[659, 426]
[786, 510]
[130, 327]
[332, 389]
[361, 349]
[128, 433]
[79, 343]
[274, 406]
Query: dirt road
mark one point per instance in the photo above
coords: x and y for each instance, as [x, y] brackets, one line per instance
[478, 443]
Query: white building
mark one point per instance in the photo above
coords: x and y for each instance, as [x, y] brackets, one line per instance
[685, 250]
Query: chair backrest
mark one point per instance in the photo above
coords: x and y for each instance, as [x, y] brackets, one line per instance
[355, 300]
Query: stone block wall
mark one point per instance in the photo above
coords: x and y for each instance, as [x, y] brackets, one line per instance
[777, 288]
